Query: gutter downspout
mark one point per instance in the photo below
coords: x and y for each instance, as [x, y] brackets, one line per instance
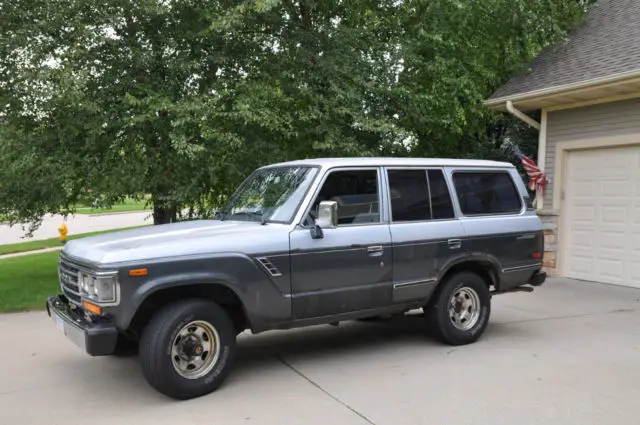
[542, 140]
[524, 117]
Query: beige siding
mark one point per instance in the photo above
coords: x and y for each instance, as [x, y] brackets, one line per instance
[607, 119]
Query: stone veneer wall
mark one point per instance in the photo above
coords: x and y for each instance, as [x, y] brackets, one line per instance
[550, 224]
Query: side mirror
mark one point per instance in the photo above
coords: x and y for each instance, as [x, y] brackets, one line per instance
[327, 218]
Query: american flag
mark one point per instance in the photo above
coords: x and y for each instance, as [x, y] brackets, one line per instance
[537, 179]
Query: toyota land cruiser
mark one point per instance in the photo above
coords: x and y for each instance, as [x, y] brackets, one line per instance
[303, 243]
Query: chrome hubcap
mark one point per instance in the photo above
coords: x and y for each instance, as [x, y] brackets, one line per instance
[464, 308]
[195, 349]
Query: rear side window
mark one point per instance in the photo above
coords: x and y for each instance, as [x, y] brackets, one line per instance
[409, 191]
[441, 206]
[419, 195]
[485, 193]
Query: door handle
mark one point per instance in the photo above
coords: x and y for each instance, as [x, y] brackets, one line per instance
[454, 243]
[375, 250]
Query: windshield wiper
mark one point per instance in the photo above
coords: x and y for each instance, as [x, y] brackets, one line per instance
[252, 214]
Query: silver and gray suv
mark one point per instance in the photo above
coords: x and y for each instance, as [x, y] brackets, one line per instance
[303, 243]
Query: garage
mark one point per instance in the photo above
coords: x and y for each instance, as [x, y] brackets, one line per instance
[582, 96]
[600, 228]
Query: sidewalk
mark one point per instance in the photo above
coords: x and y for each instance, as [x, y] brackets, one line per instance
[80, 223]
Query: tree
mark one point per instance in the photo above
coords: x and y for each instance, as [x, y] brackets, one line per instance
[456, 53]
[182, 99]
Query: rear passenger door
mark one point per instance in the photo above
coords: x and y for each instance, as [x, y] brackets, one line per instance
[424, 230]
[497, 221]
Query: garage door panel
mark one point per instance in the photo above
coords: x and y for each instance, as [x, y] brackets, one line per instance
[635, 215]
[584, 214]
[579, 265]
[612, 268]
[635, 246]
[616, 160]
[581, 239]
[634, 272]
[615, 214]
[616, 188]
[613, 241]
[602, 216]
[584, 190]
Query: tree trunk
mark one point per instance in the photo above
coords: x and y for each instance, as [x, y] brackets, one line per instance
[164, 212]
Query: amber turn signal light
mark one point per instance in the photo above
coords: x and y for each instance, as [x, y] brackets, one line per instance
[138, 272]
[89, 306]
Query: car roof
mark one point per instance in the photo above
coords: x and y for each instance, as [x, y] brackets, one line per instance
[393, 162]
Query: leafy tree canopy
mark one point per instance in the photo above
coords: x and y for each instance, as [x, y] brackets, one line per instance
[182, 99]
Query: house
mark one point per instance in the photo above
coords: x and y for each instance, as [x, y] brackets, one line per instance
[587, 89]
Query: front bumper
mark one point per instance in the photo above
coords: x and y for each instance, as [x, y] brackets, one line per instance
[95, 338]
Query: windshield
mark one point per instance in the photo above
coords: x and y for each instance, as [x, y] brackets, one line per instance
[270, 194]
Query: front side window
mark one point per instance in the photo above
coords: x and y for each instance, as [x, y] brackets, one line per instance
[356, 192]
[270, 195]
[486, 193]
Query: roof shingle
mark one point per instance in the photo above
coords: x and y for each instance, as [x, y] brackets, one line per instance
[606, 44]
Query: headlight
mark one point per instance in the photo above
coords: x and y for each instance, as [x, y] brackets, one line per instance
[101, 288]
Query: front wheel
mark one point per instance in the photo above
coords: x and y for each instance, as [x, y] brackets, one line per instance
[460, 309]
[188, 348]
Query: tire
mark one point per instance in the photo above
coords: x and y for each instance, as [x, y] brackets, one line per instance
[170, 335]
[473, 303]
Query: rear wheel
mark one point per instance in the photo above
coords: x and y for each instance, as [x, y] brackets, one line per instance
[188, 348]
[460, 309]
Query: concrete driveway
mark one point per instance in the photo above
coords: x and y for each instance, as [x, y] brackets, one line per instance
[566, 354]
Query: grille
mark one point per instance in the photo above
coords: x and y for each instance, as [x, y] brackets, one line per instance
[68, 275]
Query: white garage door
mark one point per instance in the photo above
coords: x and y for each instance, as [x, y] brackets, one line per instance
[602, 216]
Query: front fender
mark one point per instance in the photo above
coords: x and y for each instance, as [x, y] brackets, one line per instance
[263, 299]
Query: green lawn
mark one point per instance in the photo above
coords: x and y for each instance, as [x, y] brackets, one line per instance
[27, 281]
[127, 206]
[49, 243]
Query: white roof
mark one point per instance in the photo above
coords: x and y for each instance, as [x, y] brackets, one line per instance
[394, 162]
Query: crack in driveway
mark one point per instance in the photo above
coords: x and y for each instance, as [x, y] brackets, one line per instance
[571, 316]
[318, 386]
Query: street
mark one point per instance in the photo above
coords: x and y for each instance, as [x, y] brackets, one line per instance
[565, 354]
[80, 223]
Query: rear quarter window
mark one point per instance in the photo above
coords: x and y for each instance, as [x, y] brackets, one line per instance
[486, 193]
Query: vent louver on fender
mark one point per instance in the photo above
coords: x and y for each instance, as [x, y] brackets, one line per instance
[273, 270]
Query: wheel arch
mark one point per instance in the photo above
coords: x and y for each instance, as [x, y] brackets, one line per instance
[219, 291]
[484, 266]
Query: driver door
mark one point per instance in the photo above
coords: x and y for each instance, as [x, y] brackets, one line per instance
[350, 268]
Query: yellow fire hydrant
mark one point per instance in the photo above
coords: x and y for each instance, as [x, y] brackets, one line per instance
[63, 233]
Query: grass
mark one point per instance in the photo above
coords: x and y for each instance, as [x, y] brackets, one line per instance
[128, 205]
[50, 243]
[27, 281]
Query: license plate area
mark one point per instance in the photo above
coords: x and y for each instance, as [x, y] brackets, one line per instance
[59, 323]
